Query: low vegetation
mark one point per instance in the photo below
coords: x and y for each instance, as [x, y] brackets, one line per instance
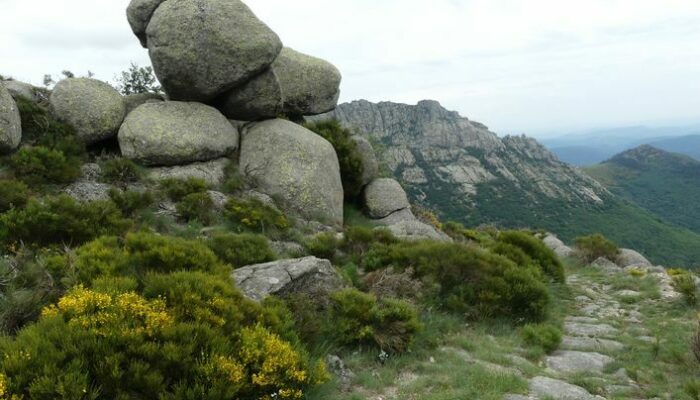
[590, 248]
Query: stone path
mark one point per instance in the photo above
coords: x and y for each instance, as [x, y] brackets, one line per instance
[589, 347]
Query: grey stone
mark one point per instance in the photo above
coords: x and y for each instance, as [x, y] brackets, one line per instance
[590, 344]
[132, 101]
[295, 84]
[21, 89]
[10, 122]
[175, 133]
[288, 160]
[572, 362]
[543, 387]
[557, 246]
[416, 230]
[592, 330]
[405, 215]
[212, 172]
[202, 48]
[94, 108]
[629, 258]
[370, 166]
[383, 197]
[606, 265]
[302, 275]
[84, 191]
[139, 13]
[285, 249]
[219, 199]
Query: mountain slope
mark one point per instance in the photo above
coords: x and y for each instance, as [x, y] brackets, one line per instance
[667, 184]
[467, 173]
[688, 145]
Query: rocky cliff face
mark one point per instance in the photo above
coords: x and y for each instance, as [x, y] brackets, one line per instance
[459, 167]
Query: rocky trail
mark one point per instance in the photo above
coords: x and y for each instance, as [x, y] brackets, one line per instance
[622, 329]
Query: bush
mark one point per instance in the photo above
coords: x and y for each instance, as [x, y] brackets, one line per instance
[176, 189]
[42, 165]
[134, 256]
[471, 280]
[685, 284]
[696, 344]
[120, 171]
[13, 194]
[40, 128]
[235, 181]
[591, 248]
[256, 216]
[323, 245]
[130, 202]
[359, 318]
[351, 167]
[56, 220]
[127, 345]
[196, 207]
[535, 249]
[241, 250]
[359, 240]
[546, 336]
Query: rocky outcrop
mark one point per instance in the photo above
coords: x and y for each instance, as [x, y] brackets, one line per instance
[370, 166]
[557, 246]
[173, 133]
[133, 101]
[10, 122]
[310, 275]
[631, 258]
[416, 230]
[212, 172]
[94, 108]
[139, 13]
[383, 197]
[295, 84]
[21, 89]
[202, 48]
[464, 171]
[288, 160]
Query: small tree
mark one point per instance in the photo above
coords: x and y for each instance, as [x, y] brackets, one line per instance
[138, 80]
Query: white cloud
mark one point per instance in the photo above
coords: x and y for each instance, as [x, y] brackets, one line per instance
[516, 65]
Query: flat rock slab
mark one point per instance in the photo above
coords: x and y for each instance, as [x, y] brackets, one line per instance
[542, 387]
[592, 330]
[577, 361]
[583, 320]
[589, 343]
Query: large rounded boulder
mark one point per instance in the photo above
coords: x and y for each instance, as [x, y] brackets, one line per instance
[139, 13]
[295, 84]
[383, 197]
[10, 122]
[288, 160]
[370, 166]
[202, 48]
[174, 133]
[94, 108]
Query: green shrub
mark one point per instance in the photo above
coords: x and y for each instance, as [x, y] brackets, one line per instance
[541, 255]
[471, 280]
[235, 181]
[590, 248]
[351, 167]
[546, 336]
[359, 318]
[323, 245]
[40, 128]
[360, 239]
[241, 250]
[27, 287]
[42, 165]
[56, 220]
[196, 207]
[120, 171]
[134, 256]
[685, 284]
[189, 337]
[13, 194]
[256, 216]
[176, 189]
[130, 202]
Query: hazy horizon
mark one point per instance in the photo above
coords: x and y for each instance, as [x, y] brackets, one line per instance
[538, 67]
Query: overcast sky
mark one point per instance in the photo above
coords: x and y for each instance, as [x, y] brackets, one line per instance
[532, 66]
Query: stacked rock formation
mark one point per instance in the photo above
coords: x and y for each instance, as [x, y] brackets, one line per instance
[218, 62]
